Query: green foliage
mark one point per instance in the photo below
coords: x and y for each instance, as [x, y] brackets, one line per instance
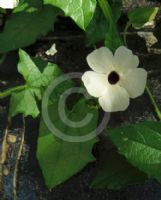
[112, 38]
[81, 11]
[139, 16]
[60, 159]
[27, 23]
[116, 9]
[25, 101]
[98, 28]
[141, 145]
[114, 172]
[29, 4]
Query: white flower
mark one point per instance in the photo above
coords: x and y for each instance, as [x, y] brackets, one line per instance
[52, 51]
[115, 78]
[10, 4]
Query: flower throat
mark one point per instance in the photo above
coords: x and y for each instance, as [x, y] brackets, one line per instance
[113, 78]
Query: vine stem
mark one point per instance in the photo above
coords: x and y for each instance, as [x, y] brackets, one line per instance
[125, 32]
[8, 92]
[153, 102]
[157, 110]
[106, 9]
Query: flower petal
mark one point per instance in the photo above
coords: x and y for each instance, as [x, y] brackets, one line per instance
[100, 60]
[125, 59]
[134, 81]
[8, 4]
[96, 84]
[115, 99]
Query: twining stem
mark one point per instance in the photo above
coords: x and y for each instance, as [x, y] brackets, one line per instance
[125, 32]
[106, 9]
[8, 92]
[157, 110]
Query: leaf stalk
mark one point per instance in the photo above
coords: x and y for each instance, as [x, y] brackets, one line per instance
[157, 110]
[8, 92]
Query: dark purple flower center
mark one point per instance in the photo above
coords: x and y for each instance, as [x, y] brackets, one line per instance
[113, 78]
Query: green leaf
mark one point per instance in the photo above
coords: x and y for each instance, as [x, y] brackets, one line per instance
[116, 9]
[112, 38]
[25, 27]
[29, 5]
[81, 11]
[29, 70]
[25, 101]
[141, 145]
[59, 159]
[139, 16]
[97, 28]
[114, 172]
[50, 72]
[99, 25]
